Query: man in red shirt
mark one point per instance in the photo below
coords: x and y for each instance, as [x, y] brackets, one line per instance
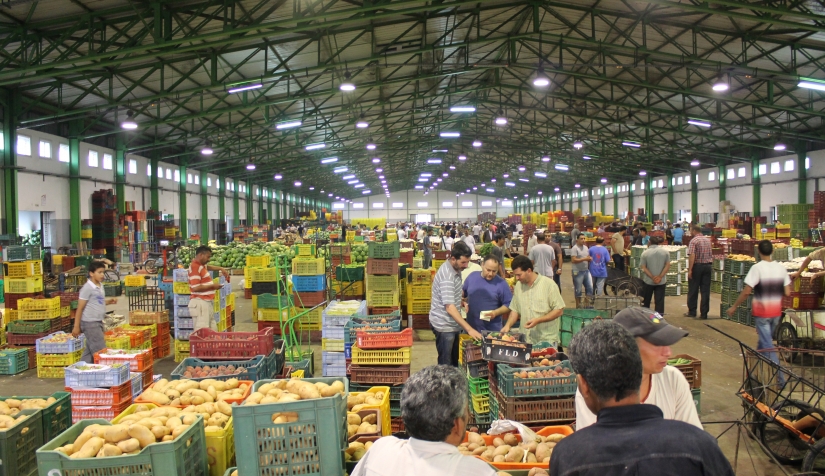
[202, 289]
[700, 262]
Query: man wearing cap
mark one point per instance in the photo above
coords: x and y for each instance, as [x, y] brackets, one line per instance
[662, 385]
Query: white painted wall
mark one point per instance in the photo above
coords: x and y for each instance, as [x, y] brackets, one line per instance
[443, 204]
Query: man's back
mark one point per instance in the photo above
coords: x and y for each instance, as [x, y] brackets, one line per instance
[542, 256]
[635, 440]
[617, 243]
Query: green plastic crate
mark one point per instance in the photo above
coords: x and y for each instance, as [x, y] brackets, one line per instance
[28, 327]
[353, 273]
[697, 399]
[185, 456]
[272, 301]
[478, 386]
[311, 446]
[18, 445]
[13, 361]
[512, 387]
[572, 321]
[390, 250]
[56, 417]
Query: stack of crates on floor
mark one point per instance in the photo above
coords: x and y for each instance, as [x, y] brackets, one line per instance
[334, 346]
[717, 274]
[14, 360]
[691, 368]
[256, 269]
[221, 316]
[347, 271]
[37, 318]
[677, 275]
[806, 294]
[309, 286]
[794, 218]
[477, 372]
[184, 324]
[382, 277]
[22, 278]
[633, 262]
[611, 305]
[418, 290]
[159, 326]
[733, 281]
[105, 222]
[378, 353]
[57, 351]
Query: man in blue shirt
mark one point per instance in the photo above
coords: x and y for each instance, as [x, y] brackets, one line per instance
[643, 236]
[678, 234]
[598, 265]
[488, 293]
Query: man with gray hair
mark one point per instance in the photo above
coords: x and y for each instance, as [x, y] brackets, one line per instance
[435, 413]
[629, 437]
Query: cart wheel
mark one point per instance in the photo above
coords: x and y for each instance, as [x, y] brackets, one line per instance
[815, 459]
[150, 265]
[785, 336]
[111, 276]
[786, 447]
[626, 289]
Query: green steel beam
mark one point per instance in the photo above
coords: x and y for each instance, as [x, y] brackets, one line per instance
[74, 181]
[602, 194]
[616, 200]
[120, 173]
[630, 198]
[261, 215]
[723, 182]
[694, 197]
[249, 205]
[236, 205]
[204, 207]
[222, 200]
[670, 211]
[182, 205]
[153, 184]
[802, 174]
[757, 186]
[11, 105]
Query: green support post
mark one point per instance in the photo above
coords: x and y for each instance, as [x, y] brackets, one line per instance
[616, 201]
[184, 229]
[694, 197]
[757, 185]
[590, 201]
[601, 188]
[670, 212]
[236, 205]
[222, 201]
[249, 208]
[261, 217]
[580, 200]
[75, 127]
[153, 184]
[649, 188]
[11, 99]
[802, 174]
[723, 182]
[120, 173]
[204, 208]
[630, 198]
[277, 207]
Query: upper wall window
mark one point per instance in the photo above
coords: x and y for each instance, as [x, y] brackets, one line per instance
[168, 174]
[45, 149]
[679, 181]
[763, 169]
[177, 176]
[197, 179]
[789, 165]
[63, 153]
[132, 166]
[741, 172]
[160, 171]
[107, 161]
[775, 168]
[94, 161]
[148, 170]
[711, 176]
[24, 145]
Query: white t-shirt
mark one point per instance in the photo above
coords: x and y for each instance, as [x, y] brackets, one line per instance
[390, 456]
[669, 390]
[402, 235]
[448, 243]
[421, 234]
[476, 230]
[471, 242]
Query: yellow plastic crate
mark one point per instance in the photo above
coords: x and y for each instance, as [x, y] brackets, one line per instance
[332, 345]
[51, 372]
[261, 275]
[310, 321]
[180, 356]
[356, 289]
[297, 374]
[59, 360]
[134, 281]
[10, 315]
[230, 300]
[181, 346]
[33, 284]
[39, 315]
[437, 263]
[29, 304]
[222, 325]
[66, 311]
[399, 356]
[257, 261]
[272, 315]
[308, 267]
[153, 328]
[86, 234]
[418, 307]
[118, 342]
[382, 298]
[384, 407]
[180, 288]
[57, 259]
[419, 293]
[23, 269]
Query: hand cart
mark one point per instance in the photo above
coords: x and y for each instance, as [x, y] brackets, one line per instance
[801, 329]
[622, 284]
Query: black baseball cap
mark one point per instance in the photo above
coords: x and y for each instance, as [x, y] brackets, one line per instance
[649, 325]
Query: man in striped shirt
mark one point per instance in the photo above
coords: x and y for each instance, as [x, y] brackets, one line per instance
[202, 289]
[445, 318]
[700, 261]
[768, 281]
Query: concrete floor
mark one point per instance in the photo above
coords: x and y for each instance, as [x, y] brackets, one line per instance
[721, 371]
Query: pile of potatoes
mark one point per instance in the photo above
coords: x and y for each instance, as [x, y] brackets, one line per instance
[508, 449]
[358, 402]
[11, 406]
[292, 390]
[356, 450]
[189, 392]
[358, 426]
[6, 422]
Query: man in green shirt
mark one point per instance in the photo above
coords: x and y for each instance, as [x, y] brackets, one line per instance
[537, 302]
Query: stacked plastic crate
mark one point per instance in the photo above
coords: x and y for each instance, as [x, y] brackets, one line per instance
[105, 225]
[22, 278]
[381, 279]
[419, 288]
[346, 283]
[677, 275]
[309, 274]
[252, 288]
[335, 351]
[717, 273]
[379, 353]
[37, 318]
[56, 351]
[184, 325]
[477, 372]
[733, 280]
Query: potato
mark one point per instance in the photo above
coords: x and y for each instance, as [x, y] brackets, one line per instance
[542, 451]
[143, 435]
[224, 408]
[339, 387]
[160, 431]
[497, 442]
[178, 431]
[13, 402]
[538, 472]
[510, 439]
[116, 433]
[487, 455]
[531, 446]
[130, 445]
[498, 459]
[85, 436]
[155, 397]
[90, 448]
[471, 446]
[329, 391]
[474, 437]
[501, 450]
[531, 458]
[555, 438]
[503, 473]
[67, 449]
[111, 450]
[353, 419]
[515, 455]
[232, 383]
[305, 390]
[480, 450]
[189, 419]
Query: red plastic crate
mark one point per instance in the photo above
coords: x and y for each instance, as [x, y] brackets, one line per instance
[66, 297]
[406, 257]
[375, 311]
[24, 339]
[162, 351]
[420, 321]
[105, 397]
[12, 298]
[801, 301]
[141, 361]
[147, 377]
[105, 412]
[379, 375]
[337, 260]
[384, 340]
[163, 328]
[207, 344]
[309, 299]
[382, 266]
[247, 293]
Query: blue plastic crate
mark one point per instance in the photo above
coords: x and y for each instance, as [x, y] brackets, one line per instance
[184, 322]
[332, 332]
[181, 299]
[180, 275]
[335, 370]
[72, 345]
[165, 286]
[309, 284]
[348, 350]
[102, 376]
[137, 383]
[333, 358]
[341, 320]
[183, 334]
[182, 311]
[353, 326]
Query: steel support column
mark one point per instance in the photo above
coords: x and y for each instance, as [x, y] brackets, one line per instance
[277, 208]
[222, 202]
[802, 174]
[236, 205]
[11, 108]
[184, 228]
[249, 206]
[694, 197]
[120, 173]
[601, 194]
[757, 185]
[723, 182]
[153, 183]
[616, 201]
[670, 215]
[204, 208]
[260, 205]
[74, 180]
[269, 211]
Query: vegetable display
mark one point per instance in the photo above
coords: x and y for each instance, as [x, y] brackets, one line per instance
[356, 450]
[357, 425]
[233, 255]
[358, 402]
[188, 392]
[12, 406]
[508, 448]
[7, 422]
[292, 390]
[212, 371]
[558, 371]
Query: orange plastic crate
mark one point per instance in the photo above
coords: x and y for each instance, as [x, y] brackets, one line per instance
[105, 412]
[138, 360]
[101, 396]
[384, 340]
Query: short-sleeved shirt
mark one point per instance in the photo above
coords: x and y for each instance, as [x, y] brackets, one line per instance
[645, 240]
[471, 242]
[199, 275]
[598, 267]
[768, 280]
[498, 254]
[580, 252]
[700, 246]
[483, 295]
[542, 256]
[476, 230]
[448, 243]
[446, 290]
[95, 298]
[535, 301]
[678, 234]
[617, 243]
[574, 235]
[818, 254]
[655, 259]
[428, 250]
[557, 250]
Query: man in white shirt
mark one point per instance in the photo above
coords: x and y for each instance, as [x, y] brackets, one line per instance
[662, 385]
[470, 241]
[477, 232]
[435, 413]
[421, 234]
[402, 234]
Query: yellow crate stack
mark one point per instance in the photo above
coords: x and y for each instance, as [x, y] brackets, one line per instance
[418, 291]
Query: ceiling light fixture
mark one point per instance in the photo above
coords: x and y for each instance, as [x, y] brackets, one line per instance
[348, 177]
[379, 170]
[476, 143]
[586, 157]
[329, 160]
[450, 135]
[317, 146]
[288, 125]
[250, 165]
[370, 146]
[521, 168]
[452, 167]
[779, 146]
[541, 80]
[358, 185]
[297, 184]
[809, 83]
[510, 184]
[347, 85]
[462, 158]
[501, 120]
[698, 123]
[694, 163]
[362, 124]
[491, 190]
[635, 145]
[376, 160]
[338, 170]
[433, 161]
[721, 83]
[352, 182]
[129, 123]
[578, 185]
[524, 180]
[562, 167]
[578, 145]
[312, 188]
[278, 177]
[556, 189]
[207, 149]
[540, 174]
[506, 175]
[462, 109]
[545, 159]
[426, 174]
[604, 180]
[642, 173]
[239, 88]
[366, 192]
